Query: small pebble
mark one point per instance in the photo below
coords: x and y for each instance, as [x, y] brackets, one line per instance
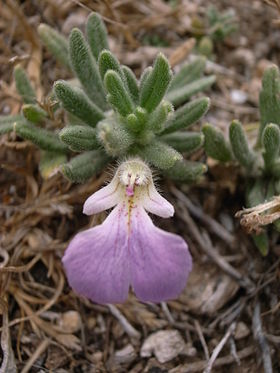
[164, 344]
[70, 321]
[238, 97]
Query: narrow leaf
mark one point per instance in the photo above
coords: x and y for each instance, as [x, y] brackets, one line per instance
[24, 86]
[158, 118]
[115, 138]
[186, 171]
[34, 113]
[76, 102]
[271, 144]
[84, 166]
[138, 120]
[183, 94]
[160, 154]
[186, 142]
[215, 144]
[50, 163]
[239, 145]
[118, 96]
[269, 100]
[86, 68]
[43, 138]
[132, 84]
[107, 61]
[156, 84]
[7, 122]
[187, 115]
[55, 43]
[144, 76]
[262, 243]
[255, 192]
[79, 138]
[190, 72]
[96, 34]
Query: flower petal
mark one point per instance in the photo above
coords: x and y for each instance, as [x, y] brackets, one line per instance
[156, 204]
[96, 261]
[160, 261]
[103, 199]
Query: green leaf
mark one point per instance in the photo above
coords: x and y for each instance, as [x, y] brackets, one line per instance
[138, 120]
[206, 46]
[79, 138]
[156, 84]
[50, 163]
[183, 94]
[190, 72]
[269, 100]
[215, 144]
[84, 166]
[76, 102]
[7, 123]
[96, 34]
[144, 76]
[6, 128]
[262, 243]
[240, 145]
[271, 144]
[115, 138]
[107, 61]
[132, 84]
[34, 113]
[187, 115]
[24, 86]
[186, 171]
[275, 168]
[86, 68]
[160, 154]
[43, 138]
[158, 118]
[255, 192]
[55, 43]
[118, 96]
[186, 142]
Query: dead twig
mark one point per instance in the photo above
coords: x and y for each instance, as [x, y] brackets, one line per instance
[202, 339]
[37, 353]
[233, 350]
[167, 313]
[198, 366]
[129, 329]
[260, 338]
[219, 348]
[198, 213]
[8, 364]
[253, 219]
[207, 247]
[181, 53]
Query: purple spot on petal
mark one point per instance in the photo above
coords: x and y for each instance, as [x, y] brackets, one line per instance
[129, 190]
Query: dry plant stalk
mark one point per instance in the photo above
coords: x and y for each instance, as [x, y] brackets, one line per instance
[255, 218]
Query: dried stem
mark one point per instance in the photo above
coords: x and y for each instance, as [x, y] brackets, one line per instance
[260, 338]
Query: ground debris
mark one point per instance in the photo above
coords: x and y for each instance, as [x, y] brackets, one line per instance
[164, 344]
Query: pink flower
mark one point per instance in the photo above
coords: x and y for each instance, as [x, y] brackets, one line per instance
[127, 249]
